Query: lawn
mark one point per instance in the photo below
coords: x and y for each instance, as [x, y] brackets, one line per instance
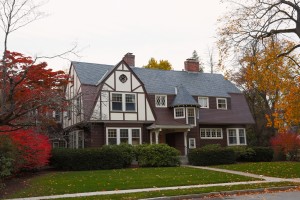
[105, 180]
[274, 169]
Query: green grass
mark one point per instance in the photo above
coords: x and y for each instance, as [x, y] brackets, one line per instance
[274, 169]
[105, 180]
[178, 192]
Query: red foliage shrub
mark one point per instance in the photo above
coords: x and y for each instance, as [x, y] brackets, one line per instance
[286, 143]
[33, 149]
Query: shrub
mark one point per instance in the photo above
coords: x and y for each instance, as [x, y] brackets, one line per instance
[32, 150]
[262, 154]
[7, 156]
[208, 156]
[243, 153]
[286, 143]
[107, 157]
[157, 155]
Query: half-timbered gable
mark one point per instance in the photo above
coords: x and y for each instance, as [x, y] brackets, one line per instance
[122, 97]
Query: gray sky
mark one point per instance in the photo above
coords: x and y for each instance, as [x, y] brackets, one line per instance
[105, 30]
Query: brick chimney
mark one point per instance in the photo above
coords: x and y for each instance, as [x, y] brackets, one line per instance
[191, 65]
[129, 59]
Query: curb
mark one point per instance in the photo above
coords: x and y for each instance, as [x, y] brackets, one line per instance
[225, 193]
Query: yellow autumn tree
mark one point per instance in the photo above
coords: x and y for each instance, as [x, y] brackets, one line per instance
[275, 80]
[162, 64]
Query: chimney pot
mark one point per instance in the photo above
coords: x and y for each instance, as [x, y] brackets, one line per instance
[129, 58]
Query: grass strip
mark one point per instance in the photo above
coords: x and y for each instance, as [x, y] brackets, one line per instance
[273, 169]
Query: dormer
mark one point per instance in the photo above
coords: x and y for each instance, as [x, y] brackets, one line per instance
[184, 105]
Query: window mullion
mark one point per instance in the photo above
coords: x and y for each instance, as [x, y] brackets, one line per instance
[118, 136]
[129, 136]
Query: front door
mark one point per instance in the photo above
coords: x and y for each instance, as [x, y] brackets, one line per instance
[175, 140]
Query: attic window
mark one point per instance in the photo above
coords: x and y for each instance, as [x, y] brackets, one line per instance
[160, 100]
[123, 78]
[222, 103]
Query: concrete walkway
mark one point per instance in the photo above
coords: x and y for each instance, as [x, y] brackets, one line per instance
[265, 180]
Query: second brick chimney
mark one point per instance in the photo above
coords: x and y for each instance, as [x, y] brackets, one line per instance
[129, 58]
[191, 65]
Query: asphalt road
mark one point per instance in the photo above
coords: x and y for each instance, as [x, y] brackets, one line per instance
[265, 196]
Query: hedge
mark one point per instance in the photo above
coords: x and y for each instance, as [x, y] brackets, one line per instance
[107, 157]
[263, 154]
[243, 153]
[157, 155]
[211, 156]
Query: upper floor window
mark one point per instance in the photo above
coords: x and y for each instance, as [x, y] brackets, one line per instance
[123, 102]
[236, 136]
[191, 119]
[222, 103]
[179, 113]
[161, 100]
[203, 102]
[78, 105]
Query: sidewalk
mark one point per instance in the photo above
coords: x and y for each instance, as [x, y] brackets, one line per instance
[265, 180]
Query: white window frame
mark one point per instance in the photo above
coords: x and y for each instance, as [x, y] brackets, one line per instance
[179, 117]
[187, 115]
[129, 134]
[207, 102]
[237, 136]
[211, 137]
[161, 96]
[218, 103]
[74, 142]
[192, 141]
[123, 102]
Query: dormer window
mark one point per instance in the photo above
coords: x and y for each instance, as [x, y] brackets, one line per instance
[161, 101]
[222, 103]
[203, 102]
[179, 113]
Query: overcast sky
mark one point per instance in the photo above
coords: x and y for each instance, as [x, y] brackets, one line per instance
[105, 30]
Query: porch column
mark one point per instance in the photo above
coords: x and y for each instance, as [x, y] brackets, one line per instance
[185, 143]
[151, 137]
[156, 137]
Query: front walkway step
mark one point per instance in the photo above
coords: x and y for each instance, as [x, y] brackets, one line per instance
[183, 160]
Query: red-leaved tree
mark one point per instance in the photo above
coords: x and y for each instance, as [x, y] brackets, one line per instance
[286, 143]
[33, 149]
[28, 90]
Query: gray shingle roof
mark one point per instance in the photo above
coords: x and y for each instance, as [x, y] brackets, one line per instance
[183, 97]
[161, 81]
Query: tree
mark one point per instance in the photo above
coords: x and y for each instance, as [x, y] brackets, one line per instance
[162, 65]
[252, 21]
[270, 84]
[197, 58]
[28, 91]
[27, 88]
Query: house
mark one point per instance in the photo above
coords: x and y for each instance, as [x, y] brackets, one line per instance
[127, 104]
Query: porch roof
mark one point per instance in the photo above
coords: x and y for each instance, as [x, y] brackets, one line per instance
[158, 126]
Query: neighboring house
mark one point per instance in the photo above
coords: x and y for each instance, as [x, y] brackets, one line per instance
[126, 104]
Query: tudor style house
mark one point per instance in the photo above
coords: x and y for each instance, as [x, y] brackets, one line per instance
[127, 104]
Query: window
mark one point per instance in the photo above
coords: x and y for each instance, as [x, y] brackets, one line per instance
[236, 136]
[211, 133]
[222, 103]
[160, 100]
[123, 102]
[78, 105]
[191, 116]
[130, 102]
[112, 136]
[179, 113]
[76, 140]
[116, 102]
[203, 102]
[192, 143]
[57, 115]
[123, 135]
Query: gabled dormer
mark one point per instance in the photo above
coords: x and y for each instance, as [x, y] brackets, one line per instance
[122, 96]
